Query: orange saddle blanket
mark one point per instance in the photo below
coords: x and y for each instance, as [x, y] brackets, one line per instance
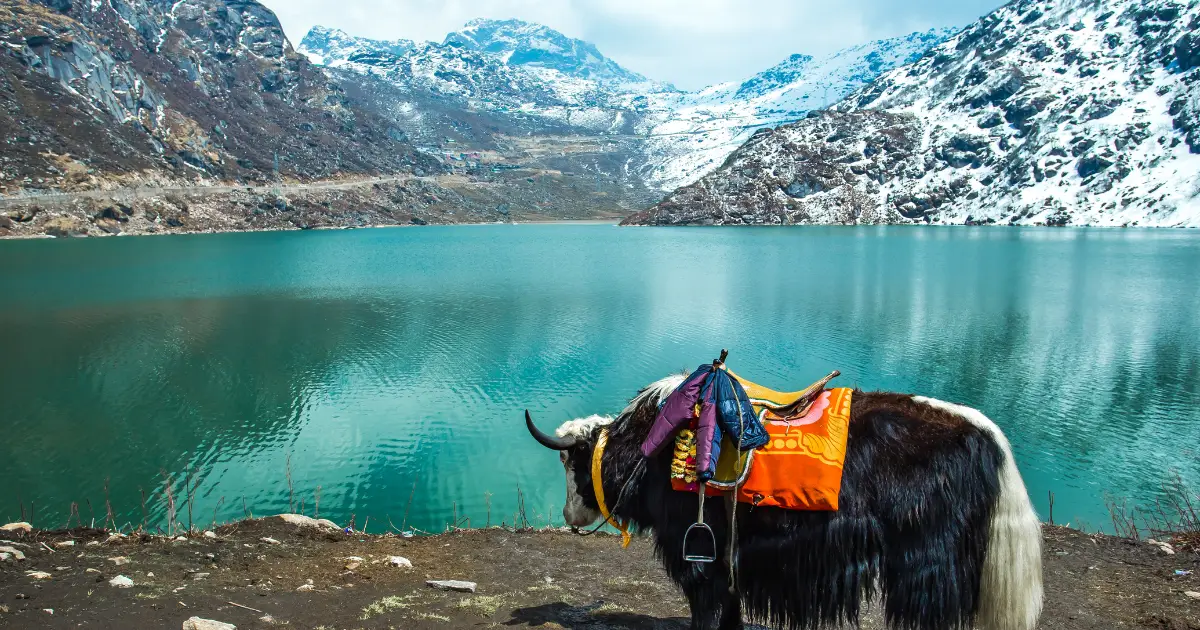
[799, 469]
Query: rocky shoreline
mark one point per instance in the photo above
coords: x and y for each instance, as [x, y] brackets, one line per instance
[415, 201]
[299, 572]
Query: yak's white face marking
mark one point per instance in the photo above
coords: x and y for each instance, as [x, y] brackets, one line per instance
[576, 512]
[583, 428]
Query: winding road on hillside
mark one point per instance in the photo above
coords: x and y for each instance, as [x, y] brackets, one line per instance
[133, 194]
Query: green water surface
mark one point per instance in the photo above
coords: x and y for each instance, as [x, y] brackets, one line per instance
[393, 363]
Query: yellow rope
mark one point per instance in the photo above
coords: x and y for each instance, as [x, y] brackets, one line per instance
[598, 487]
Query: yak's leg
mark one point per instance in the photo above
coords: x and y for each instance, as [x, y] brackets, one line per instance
[706, 609]
[731, 612]
[708, 598]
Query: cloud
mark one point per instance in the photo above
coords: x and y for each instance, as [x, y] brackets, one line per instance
[689, 42]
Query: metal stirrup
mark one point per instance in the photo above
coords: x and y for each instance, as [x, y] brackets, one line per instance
[700, 532]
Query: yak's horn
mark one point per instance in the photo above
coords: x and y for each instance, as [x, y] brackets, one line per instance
[549, 441]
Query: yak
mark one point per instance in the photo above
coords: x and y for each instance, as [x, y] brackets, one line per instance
[934, 523]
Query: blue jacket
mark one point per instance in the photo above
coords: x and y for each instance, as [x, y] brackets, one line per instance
[725, 409]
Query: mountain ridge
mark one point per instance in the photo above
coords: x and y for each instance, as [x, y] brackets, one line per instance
[186, 90]
[157, 116]
[1081, 113]
[686, 133]
[529, 44]
[706, 126]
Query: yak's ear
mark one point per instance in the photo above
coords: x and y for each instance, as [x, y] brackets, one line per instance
[549, 441]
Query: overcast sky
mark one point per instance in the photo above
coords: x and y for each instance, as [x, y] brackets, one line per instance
[691, 43]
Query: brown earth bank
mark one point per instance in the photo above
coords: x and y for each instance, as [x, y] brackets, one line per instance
[523, 195]
[268, 573]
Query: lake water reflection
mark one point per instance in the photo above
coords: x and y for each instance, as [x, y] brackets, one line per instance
[384, 363]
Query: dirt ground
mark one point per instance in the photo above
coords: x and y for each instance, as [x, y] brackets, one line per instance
[527, 579]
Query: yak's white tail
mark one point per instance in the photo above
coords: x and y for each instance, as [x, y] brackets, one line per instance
[1011, 590]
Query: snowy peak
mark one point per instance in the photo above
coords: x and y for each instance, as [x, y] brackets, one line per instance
[335, 48]
[527, 44]
[1042, 113]
[864, 63]
[843, 71]
[782, 74]
[706, 126]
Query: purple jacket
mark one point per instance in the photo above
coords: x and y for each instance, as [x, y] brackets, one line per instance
[724, 408]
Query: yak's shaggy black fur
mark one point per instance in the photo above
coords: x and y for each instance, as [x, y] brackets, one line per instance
[918, 491]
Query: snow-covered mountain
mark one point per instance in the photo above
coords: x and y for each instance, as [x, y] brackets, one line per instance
[1080, 112]
[703, 128]
[513, 68]
[508, 68]
[334, 48]
[536, 46]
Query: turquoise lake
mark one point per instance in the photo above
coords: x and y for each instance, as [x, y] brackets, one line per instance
[394, 363]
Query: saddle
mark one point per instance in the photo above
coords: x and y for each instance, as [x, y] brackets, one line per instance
[801, 462]
[771, 406]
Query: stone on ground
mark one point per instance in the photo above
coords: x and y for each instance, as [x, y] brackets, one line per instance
[452, 585]
[64, 544]
[196, 623]
[269, 540]
[38, 575]
[12, 553]
[17, 527]
[308, 521]
[121, 582]
[399, 561]
[119, 560]
[1192, 594]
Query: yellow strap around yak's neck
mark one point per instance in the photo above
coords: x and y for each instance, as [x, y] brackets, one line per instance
[598, 487]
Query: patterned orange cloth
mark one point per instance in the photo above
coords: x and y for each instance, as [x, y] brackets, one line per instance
[801, 467]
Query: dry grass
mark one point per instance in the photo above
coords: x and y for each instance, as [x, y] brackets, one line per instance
[628, 586]
[482, 605]
[1174, 516]
[32, 14]
[384, 606]
[608, 608]
[545, 588]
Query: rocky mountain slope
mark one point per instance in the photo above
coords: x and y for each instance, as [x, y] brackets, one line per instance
[499, 95]
[113, 92]
[703, 128]
[515, 77]
[1080, 112]
[508, 69]
[197, 115]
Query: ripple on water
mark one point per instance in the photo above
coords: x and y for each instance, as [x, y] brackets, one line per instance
[379, 364]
